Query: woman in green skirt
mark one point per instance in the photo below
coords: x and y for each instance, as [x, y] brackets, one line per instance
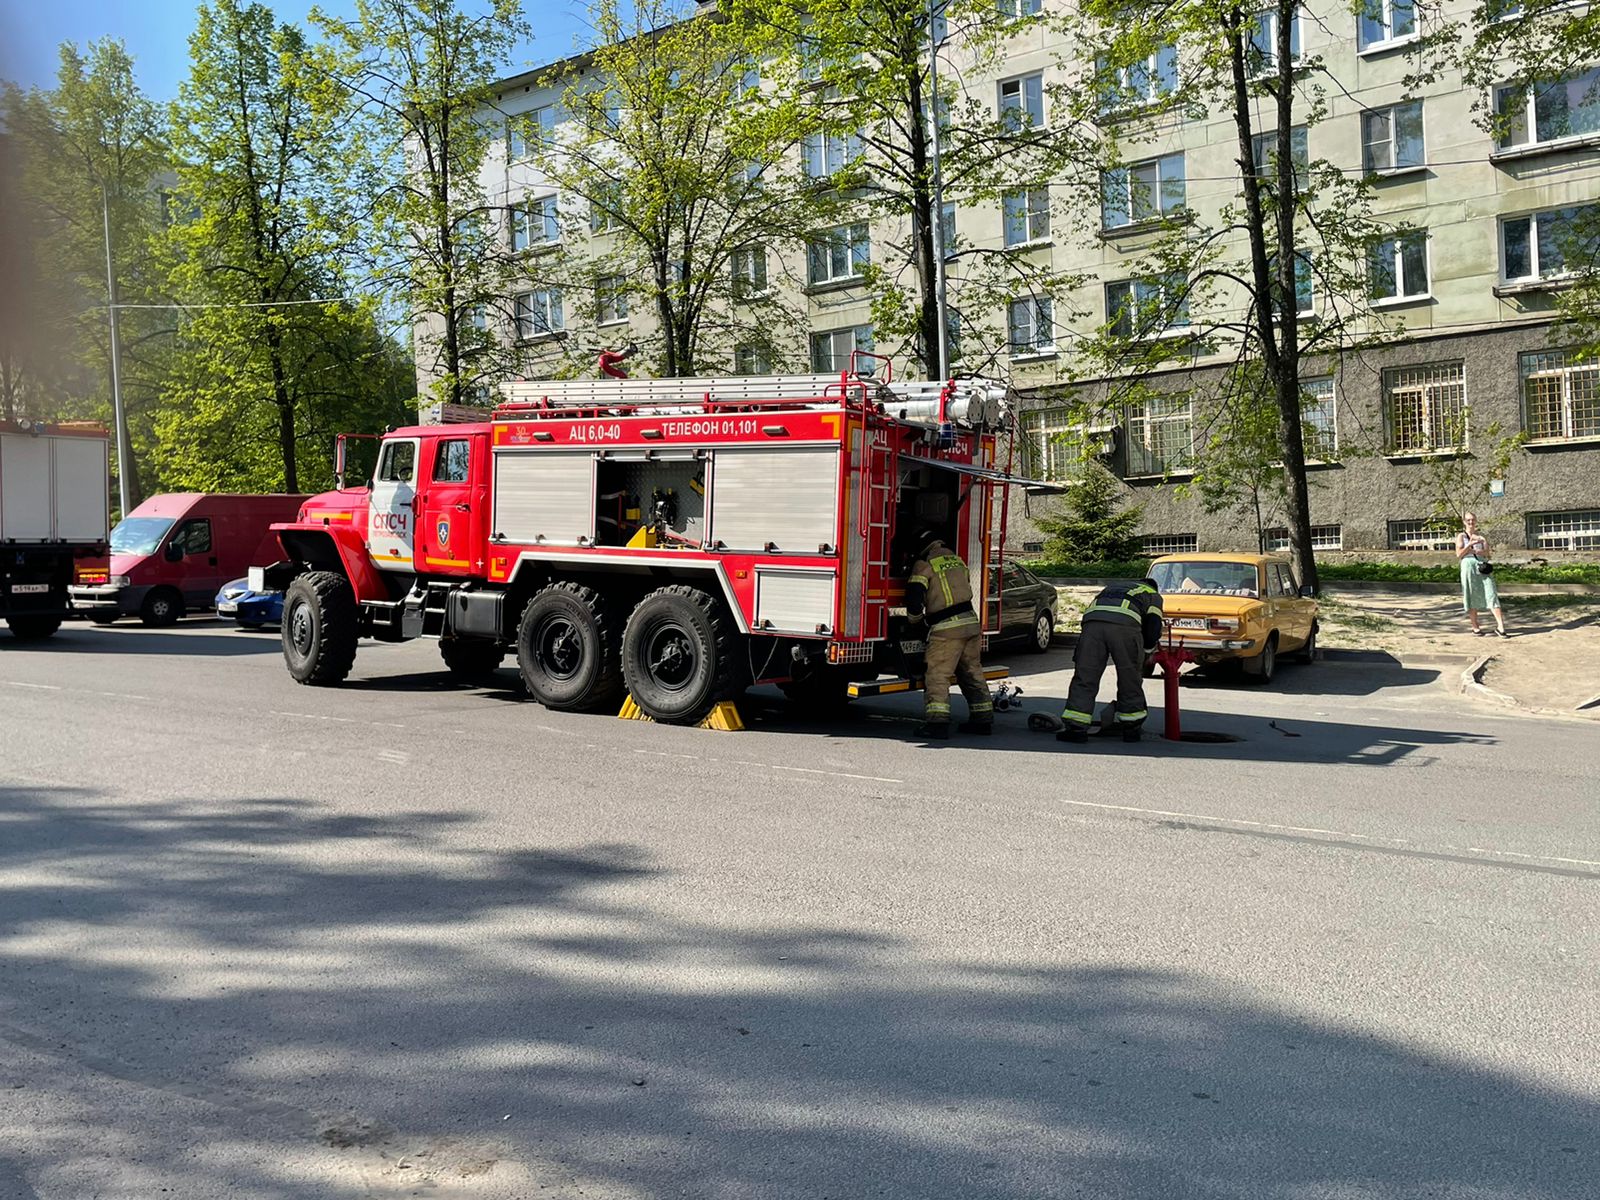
[1477, 586]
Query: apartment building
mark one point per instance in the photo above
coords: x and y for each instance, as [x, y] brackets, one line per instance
[1481, 357]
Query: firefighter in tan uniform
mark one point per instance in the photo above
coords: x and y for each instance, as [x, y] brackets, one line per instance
[1122, 626]
[939, 591]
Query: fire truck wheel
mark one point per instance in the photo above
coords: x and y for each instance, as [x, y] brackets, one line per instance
[677, 654]
[161, 607]
[568, 648]
[319, 627]
[29, 629]
[471, 659]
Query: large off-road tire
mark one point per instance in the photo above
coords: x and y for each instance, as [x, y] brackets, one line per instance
[472, 659]
[320, 628]
[569, 645]
[163, 606]
[33, 629]
[680, 654]
[1263, 666]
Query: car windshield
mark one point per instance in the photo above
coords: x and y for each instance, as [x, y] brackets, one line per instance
[139, 535]
[1205, 578]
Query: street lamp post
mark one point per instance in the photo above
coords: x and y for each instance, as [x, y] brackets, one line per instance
[942, 363]
[124, 451]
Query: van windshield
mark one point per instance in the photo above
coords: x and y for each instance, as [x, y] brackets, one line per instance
[1209, 578]
[139, 535]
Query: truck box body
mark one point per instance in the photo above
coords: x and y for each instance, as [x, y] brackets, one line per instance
[54, 514]
[171, 554]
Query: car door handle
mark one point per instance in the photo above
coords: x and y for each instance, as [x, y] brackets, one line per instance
[463, 508]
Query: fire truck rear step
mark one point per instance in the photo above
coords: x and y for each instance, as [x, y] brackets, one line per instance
[893, 687]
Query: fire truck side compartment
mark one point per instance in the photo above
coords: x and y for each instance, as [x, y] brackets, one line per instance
[544, 497]
[784, 499]
[795, 600]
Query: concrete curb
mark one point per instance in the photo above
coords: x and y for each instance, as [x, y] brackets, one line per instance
[1471, 683]
[1378, 585]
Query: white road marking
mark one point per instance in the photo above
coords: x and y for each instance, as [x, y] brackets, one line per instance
[41, 687]
[1332, 833]
[745, 762]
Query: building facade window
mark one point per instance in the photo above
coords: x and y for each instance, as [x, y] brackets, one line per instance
[538, 313]
[1536, 246]
[1391, 138]
[1425, 408]
[1057, 444]
[536, 223]
[604, 208]
[610, 300]
[1146, 308]
[477, 317]
[1262, 55]
[1160, 436]
[1323, 537]
[1578, 530]
[1265, 145]
[751, 360]
[1141, 191]
[840, 254]
[1020, 8]
[1548, 111]
[828, 153]
[1031, 327]
[1560, 396]
[1304, 287]
[1319, 426]
[1397, 268]
[1384, 22]
[1026, 215]
[749, 272]
[1148, 81]
[529, 132]
[1420, 535]
[1154, 545]
[1022, 102]
[831, 351]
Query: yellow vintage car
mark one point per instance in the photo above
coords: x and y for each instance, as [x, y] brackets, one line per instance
[1239, 611]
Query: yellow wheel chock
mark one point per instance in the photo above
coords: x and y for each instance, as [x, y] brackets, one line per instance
[725, 716]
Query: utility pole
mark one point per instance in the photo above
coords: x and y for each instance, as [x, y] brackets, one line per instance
[119, 418]
[942, 363]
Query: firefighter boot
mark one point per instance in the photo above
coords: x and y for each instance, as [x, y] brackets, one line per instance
[1132, 733]
[1076, 734]
[934, 731]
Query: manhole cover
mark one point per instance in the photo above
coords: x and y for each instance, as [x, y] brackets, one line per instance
[1201, 735]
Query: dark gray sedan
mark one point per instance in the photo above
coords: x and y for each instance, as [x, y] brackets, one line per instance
[1027, 607]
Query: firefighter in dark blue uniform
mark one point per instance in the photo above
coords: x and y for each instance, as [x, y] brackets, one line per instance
[1122, 626]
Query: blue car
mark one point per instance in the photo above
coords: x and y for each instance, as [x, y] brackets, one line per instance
[251, 609]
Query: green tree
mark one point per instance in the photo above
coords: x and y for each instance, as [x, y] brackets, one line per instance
[678, 169]
[272, 348]
[1234, 283]
[420, 73]
[871, 125]
[88, 153]
[1090, 524]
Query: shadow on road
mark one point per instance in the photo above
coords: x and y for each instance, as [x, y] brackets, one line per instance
[532, 999]
[199, 638]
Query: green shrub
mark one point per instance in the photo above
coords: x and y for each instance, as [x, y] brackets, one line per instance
[1126, 569]
[1416, 573]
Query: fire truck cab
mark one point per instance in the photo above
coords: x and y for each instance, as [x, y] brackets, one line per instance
[677, 539]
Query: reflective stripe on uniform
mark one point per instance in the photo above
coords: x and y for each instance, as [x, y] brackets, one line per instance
[1133, 716]
[937, 708]
[982, 706]
[1075, 717]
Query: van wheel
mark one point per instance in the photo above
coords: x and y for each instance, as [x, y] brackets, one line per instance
[472, 659]
[678, 654]
[33, 629]
[1261, 668]
[161, 607]
[569, 648]
[320, 628]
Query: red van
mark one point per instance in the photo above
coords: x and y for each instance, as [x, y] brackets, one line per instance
[171, 554]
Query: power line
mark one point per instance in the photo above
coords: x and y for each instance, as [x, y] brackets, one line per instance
[240, 304]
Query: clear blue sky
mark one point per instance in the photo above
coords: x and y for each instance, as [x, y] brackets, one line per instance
[157, 34]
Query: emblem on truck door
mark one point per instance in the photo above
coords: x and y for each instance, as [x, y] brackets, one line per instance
[444, 532]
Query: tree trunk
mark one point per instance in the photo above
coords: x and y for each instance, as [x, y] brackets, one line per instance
[922, 218]
[285, 403]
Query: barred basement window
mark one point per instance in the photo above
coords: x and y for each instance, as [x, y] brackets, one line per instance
[1565, 530]
[1160, 435]
[1319, 429]
[1033, 547]
[1157, 544]
[1420, 535]
[1560, 397]
[1426, 408]
[1323, 537]
[1054, 444]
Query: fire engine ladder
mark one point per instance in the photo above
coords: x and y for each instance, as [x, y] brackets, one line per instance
[878, 501]
[822, 390]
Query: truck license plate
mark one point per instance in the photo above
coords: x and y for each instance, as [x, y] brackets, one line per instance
[1189, 623]
[913, 647]
[29, 589]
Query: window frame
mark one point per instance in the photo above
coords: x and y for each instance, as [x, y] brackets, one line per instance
[1576, 539]
[1528, 119]
[862, 340]
[1269, 37]
[1559, 366]
[1317, 426]
[542, 212]
[610, 296]
[1535, 251]
[1162, 285]
[518, 127]
[542, 316]
[1004, 110]
[1397, 263]
[1427, 384]
[832, 151]
[1028, 208]
[1391, 113]
[1127, 96]
[1130, 190]
[1386, 19]
[844, 258]
[1041, 322]
[444, 471]
[748, 273]
[1151, 454]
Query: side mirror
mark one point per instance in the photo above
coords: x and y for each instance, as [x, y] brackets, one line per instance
[174, 552]
[1306, 592]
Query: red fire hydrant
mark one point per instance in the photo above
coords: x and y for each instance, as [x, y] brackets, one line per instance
[1170, 656]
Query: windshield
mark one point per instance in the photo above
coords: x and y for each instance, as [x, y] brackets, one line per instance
[139, 535]
[1205, 578]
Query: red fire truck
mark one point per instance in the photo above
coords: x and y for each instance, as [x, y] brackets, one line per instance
[677, 539]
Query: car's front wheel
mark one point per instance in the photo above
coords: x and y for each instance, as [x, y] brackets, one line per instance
[1044, 629]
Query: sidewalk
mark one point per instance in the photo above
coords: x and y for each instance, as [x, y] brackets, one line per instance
[1551, 662]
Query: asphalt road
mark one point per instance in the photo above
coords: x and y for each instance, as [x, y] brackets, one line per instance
[408, 938]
